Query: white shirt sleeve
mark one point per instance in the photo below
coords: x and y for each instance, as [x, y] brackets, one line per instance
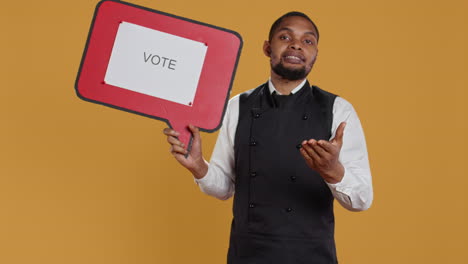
[354, 192]
[220, 178]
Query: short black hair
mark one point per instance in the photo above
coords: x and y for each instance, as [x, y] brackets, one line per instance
[290, 14]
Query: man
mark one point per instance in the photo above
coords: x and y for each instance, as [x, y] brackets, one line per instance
[284, 151]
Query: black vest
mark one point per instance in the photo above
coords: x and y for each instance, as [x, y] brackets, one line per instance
[283, 210]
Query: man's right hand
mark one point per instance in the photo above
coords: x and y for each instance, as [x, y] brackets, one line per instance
[194, 162]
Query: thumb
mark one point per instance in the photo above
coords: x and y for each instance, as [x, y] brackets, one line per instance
[196, 136]
[338, 139]
[195, 132]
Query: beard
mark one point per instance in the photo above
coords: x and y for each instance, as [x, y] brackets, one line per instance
[291, 74]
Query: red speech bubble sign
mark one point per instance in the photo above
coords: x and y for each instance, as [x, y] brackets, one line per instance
[216, 73]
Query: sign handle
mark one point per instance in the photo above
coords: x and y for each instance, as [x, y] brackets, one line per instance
[185, 135]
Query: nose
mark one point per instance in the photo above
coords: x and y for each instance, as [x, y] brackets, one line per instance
[295, 45]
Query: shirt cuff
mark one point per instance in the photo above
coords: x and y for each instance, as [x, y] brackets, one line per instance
[203, 180]
[344, 185]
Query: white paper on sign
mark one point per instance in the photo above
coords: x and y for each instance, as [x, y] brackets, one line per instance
[155, 63]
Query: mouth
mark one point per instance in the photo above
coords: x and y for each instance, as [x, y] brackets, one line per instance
[293, 58]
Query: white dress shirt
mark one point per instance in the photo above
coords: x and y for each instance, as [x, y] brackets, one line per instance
[354, 192]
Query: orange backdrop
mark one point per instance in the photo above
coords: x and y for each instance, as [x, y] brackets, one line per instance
[82, 183]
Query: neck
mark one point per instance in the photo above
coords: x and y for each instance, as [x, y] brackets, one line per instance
[284, 86]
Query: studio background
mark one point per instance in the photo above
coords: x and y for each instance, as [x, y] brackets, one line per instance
[83, 183]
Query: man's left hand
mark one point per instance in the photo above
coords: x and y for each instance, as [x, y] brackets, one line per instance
[322, 156]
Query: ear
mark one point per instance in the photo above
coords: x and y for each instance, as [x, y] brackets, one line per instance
[266, 48]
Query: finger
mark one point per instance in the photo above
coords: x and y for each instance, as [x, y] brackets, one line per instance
[306, 157]
[326, 145]
[310, 151]
[174, 141]
[170, 132]
[338, 139]
[180, 158]
[178, 150]
[319, 150]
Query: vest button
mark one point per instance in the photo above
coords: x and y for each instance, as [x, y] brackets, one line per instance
[251, 205]
[289, 209]
[257, 115]
[253, 174]
[305, 117]
[253, 143]
[293, 178]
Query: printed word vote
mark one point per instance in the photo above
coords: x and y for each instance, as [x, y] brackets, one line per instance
[160, 61]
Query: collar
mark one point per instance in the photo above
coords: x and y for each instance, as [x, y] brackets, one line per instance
[272, 88]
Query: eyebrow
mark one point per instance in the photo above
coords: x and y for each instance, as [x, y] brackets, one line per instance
[290, 30]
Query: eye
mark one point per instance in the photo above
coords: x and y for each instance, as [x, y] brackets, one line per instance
[284, 37]
[309, 42]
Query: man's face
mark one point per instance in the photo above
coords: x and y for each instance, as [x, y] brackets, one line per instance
[293, 48]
